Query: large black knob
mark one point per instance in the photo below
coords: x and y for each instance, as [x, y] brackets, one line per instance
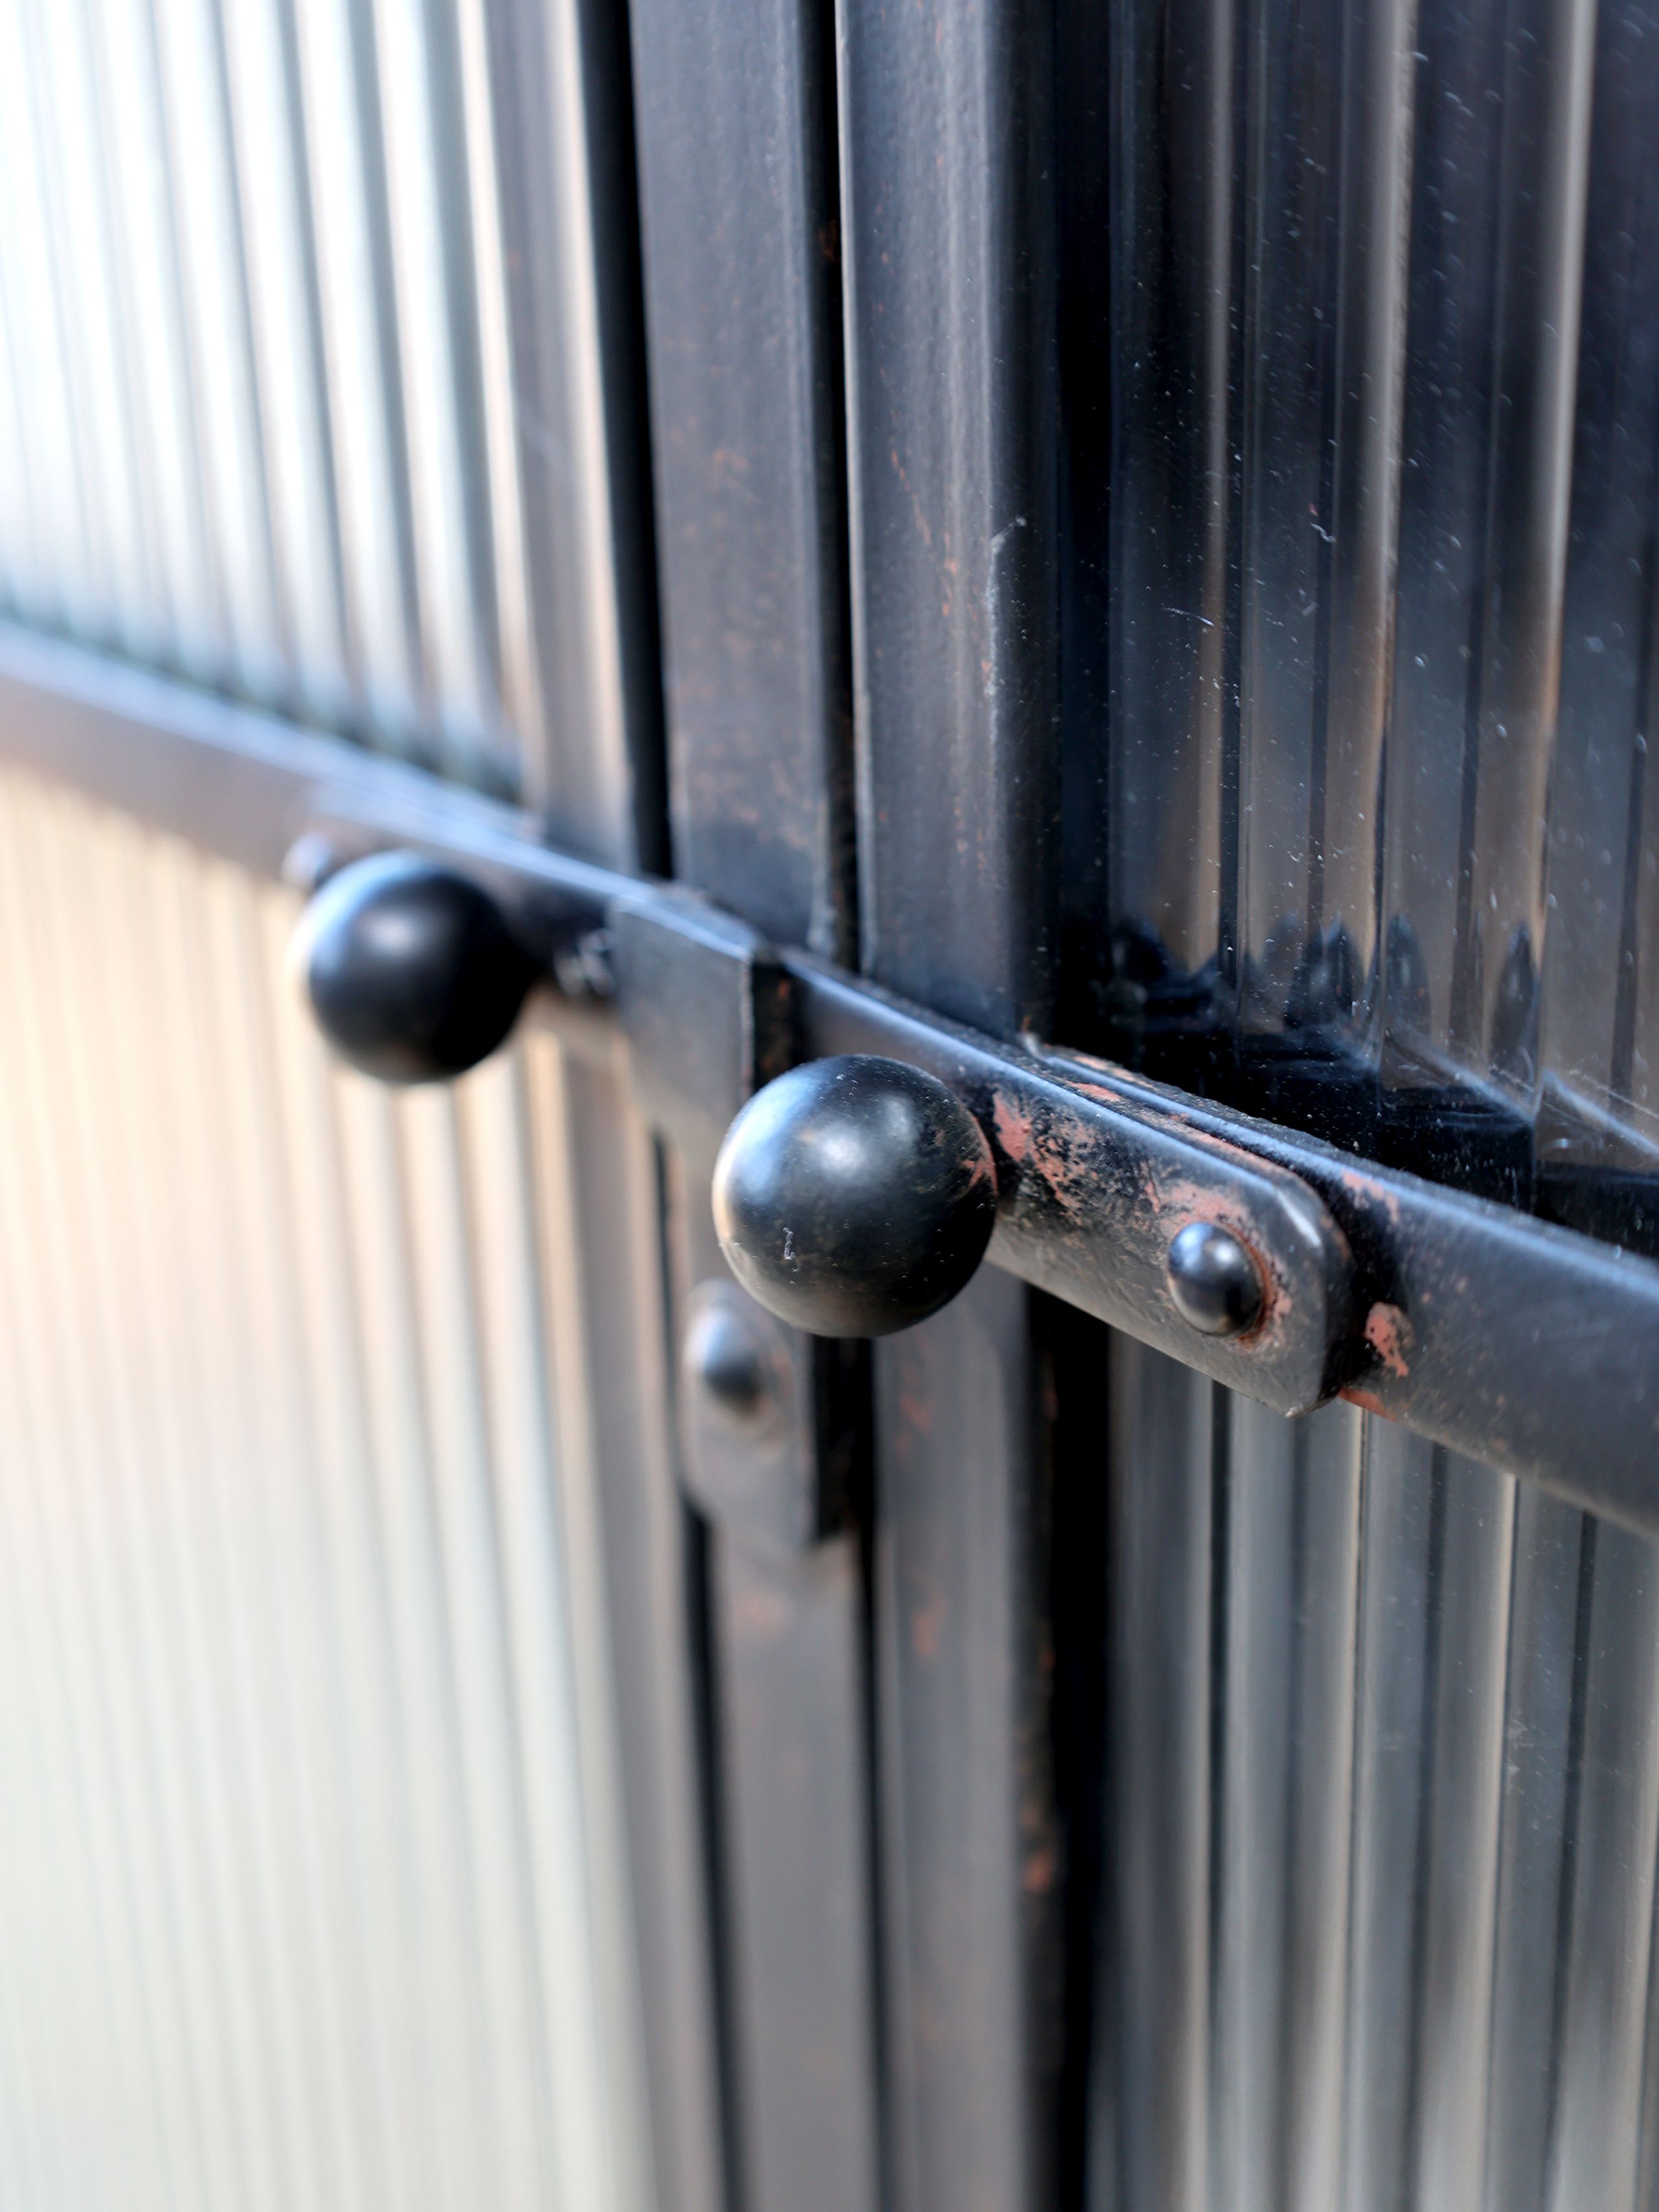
[855, 1196]
[411, 971]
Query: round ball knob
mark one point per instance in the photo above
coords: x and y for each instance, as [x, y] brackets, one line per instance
[410, 971]
[855, 1196]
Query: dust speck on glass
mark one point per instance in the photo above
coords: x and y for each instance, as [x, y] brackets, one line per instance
[1360, 362]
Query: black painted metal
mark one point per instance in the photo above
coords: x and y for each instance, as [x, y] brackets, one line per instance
[736, 108]
[947, 179]
[750, 1417]
[1514, 1341]
[649, 1542]
[947, 174]
[1243, 420]
[1214, 1280]
[726, 1364]
[412, 973]
[1492, 1355]
[855, 1196]
[789, 1754]
[973, 1864]
[736, 136]
[1091, 1187]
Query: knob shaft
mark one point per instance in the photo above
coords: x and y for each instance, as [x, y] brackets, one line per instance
[412, 973]
[855, 1196]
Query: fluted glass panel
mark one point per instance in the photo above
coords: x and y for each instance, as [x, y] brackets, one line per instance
[1382, 1816]
[308, 385]
[311, 1884]
[1360, 348]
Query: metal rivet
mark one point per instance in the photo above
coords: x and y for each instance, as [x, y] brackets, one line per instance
[311, 859]
[1214, 1281]
[582, 968]
[724, 1361]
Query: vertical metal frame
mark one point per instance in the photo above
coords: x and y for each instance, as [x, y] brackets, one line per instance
[613, 1330]
[735, 122]
[736, 107]
[945, 175]
[578, 446]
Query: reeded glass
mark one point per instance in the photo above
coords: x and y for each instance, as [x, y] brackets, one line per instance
[1360, 339]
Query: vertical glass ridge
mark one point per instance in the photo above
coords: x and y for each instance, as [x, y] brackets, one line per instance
[312, 386]
[313, 1885]
[1361, 454]
[1381, 1795]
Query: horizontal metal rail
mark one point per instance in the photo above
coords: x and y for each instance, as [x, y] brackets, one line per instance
[1510, 1340]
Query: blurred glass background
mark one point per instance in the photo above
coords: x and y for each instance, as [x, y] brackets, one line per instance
[306, 339]
[314, 1886]
[312, 1872]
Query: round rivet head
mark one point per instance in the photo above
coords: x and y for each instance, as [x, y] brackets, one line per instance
[411, 970]
[1214, 1280]
[727, 1365]
[855, 1196]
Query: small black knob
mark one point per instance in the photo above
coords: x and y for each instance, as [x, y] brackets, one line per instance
[855, 1196]
[723, 1359]
[411, 971]
[1214, 1280]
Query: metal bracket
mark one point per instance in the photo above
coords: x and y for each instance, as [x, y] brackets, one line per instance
[764, 1426]
[708, 1009]
[1093, 1186]
[1515, 1342]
